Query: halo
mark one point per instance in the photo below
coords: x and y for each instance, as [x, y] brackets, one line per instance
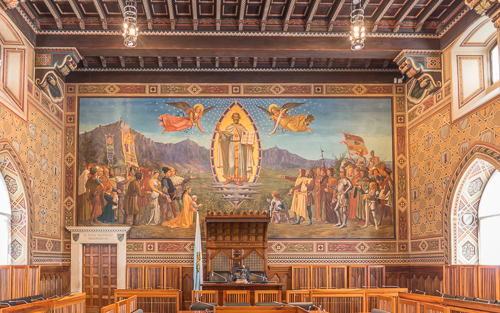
[199, 105]
[273, 106]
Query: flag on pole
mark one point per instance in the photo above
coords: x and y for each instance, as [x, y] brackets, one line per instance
[110, 148]
[355, 144]
[128, 146]
[198, 257]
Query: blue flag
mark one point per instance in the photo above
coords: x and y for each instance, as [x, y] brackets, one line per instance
[198, 257]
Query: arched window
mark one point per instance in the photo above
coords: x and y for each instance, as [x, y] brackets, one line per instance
[489, 222]
[494, 64]
[5, 212]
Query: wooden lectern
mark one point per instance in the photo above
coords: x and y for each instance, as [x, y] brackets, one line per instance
[237, 239]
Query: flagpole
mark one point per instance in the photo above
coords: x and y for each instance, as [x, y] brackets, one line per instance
[345, 141]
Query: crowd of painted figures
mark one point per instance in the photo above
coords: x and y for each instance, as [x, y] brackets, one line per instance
[360, 190]
[139, 197]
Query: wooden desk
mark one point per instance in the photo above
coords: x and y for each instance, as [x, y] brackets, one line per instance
[233, 286]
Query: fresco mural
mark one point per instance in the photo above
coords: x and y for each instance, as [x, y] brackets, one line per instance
[321, 167]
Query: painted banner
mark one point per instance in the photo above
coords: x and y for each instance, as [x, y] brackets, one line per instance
[110, 148]
[354, 143]
[128, 146]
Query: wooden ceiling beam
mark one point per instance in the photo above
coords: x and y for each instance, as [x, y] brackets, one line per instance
[241, 21]
[147, 10]
[335, 13]
[252, 46]
[403, 13]
[452, 10]
[426, 13]
[194, 9]
[30, 11]
[265, 13]
[122, 61]
[76, 9]
[382, 9]
[218, 12]
[289, 12]
[171, 15]
[101, 12]
[54, 13]
[365, 4]
[311, 14]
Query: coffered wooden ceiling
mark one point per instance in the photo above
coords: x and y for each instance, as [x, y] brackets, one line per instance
[298, 35]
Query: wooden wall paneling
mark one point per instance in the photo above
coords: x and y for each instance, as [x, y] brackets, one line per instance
[468, 280]
[33, 273]
[154, 277]
[19, 279]
[488, 282]
[54, 280]
[376, 275]
[187, 287]
[427, 279]
[5, 282]
[301, 277]
[281, 274]
[319, 276]
[337, 276]
[451, 280]
[357, 276]
[135, 276]
[172, 277]
[397, 276]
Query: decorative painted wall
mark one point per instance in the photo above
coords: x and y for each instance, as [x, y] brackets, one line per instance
[30, 154]
[281, 250]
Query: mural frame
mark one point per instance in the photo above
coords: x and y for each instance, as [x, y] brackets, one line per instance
[280, 251]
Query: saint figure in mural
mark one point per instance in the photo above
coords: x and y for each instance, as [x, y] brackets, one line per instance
[235, 156]
[185, 218]
[176, 123]
[280, 116]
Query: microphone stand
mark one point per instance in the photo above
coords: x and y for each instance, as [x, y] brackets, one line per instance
[214, 273]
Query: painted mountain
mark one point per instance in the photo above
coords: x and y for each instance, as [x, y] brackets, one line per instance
[186, 156]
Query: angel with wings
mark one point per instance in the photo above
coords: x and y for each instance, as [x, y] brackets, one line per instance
[175, 123]
[280, 116]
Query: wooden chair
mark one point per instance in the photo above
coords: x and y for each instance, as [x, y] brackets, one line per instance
[207, 296]
[236, 296]
[267, 296]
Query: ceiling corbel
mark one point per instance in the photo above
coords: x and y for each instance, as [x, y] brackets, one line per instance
[335, 13]
[311, 13]
[85, 62]
[241, 21]
[179, 62]
[54, 13]
[171, 15]
[330, 63]
[217, 62]
[122, 61]
[292, 63]
[426, 13]
[386, 63]
[198, 62]
[311, 62]
[235, 62]
[265, 13]
[160, 62]
[141, 62]
[403, 13]
[78, 13]
[367, 63]
[194, 9]
[382, 9]
[273, 64]
[103, 61]
[289, 12]
[102, 15]
[255, 61]
[348, 63]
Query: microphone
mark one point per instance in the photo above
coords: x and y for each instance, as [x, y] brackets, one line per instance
[66, 294]
[54, 296]
[264, 278]
[377, 287]
[390, 286]
[420, 291]
[442, 294]
[5, 303]
[214, 273]
[21, 301]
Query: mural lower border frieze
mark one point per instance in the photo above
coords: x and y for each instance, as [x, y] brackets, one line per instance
[144, 248]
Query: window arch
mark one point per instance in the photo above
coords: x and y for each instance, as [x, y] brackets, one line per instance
[494, 60]
[489, 222]
[5, 219]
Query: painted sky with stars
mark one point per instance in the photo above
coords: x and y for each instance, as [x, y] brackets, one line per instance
[369, 118]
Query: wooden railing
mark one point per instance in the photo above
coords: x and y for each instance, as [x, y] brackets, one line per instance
[344, 300]
[411, 303]
[73, 303]
[128, 305]
[152, 300]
